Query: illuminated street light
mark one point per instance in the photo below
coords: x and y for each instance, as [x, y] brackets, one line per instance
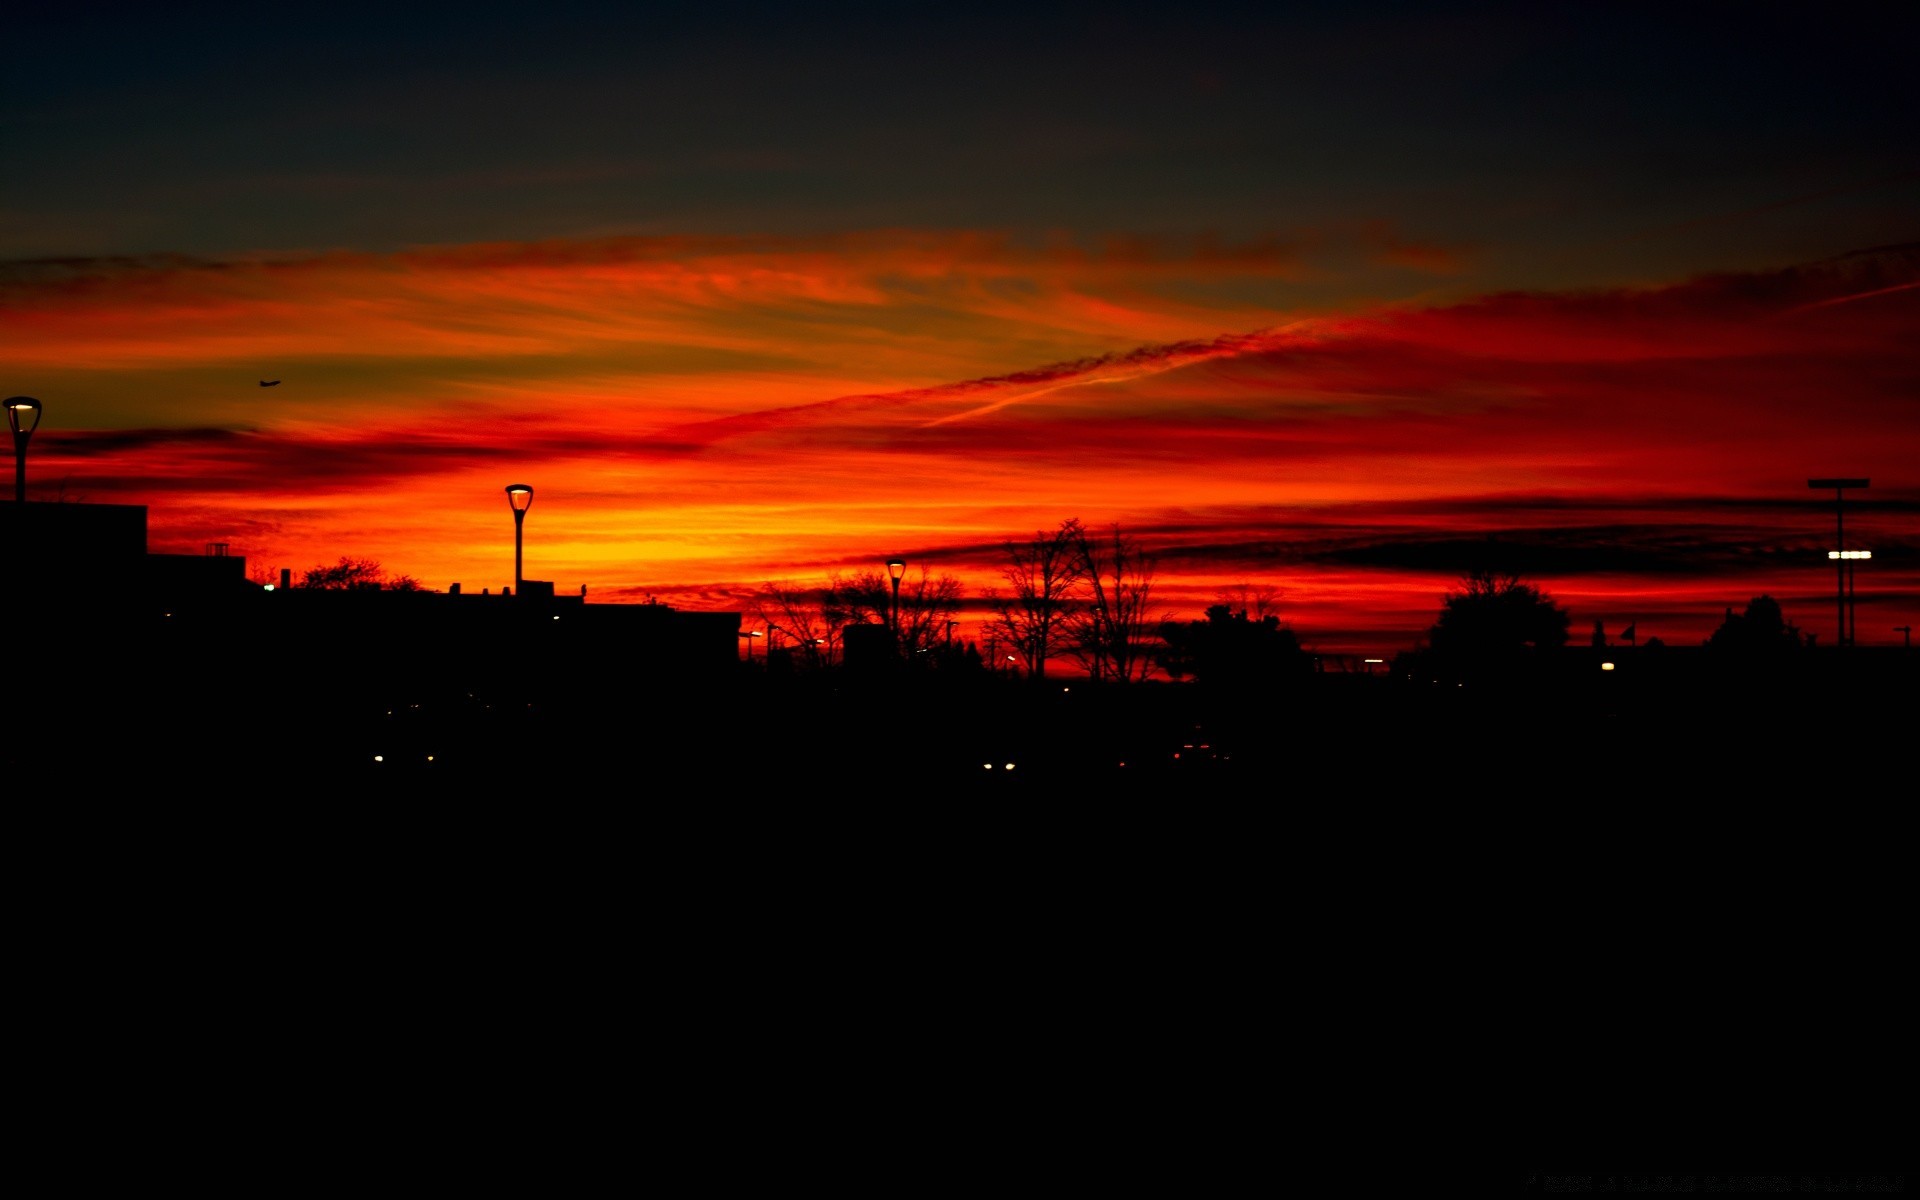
[896, 567]
[23, 414]
[1839, 487]
[1848, 558]
[750, 635]
[519, 495]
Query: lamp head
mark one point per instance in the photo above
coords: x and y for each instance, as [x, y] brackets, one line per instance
[23, 414]
[896, 567]
[520, 495]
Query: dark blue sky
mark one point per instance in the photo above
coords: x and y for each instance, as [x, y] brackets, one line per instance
[1583, 139]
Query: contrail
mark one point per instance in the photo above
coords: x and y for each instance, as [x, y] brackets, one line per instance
[1898, 287]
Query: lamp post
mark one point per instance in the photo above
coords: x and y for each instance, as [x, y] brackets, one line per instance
[23, 414]
[1839, 487]
[1847, 559]
[519, 495]
[896, 567]
[750, 635]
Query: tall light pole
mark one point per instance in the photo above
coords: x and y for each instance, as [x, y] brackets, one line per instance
[1839, 487]
[519, 495]
[23, 414]
[896, 567]
[1848, 558]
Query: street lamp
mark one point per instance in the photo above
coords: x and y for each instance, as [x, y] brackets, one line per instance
[896, 567]
[519, 495]
[750, 635]
[1847, 559]
[23, 414]
[1839, 487]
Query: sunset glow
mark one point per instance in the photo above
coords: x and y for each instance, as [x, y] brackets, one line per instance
[1337, 411]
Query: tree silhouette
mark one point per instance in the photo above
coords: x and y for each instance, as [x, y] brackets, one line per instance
[1046, 574]
[356, 574]
[798, 615]
[1495, 625]
[1111, 636]
[927, 603]
[1229, 651]
[1762, 629]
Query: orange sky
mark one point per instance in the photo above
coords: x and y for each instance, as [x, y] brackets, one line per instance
[702, 415]
[1325, 302]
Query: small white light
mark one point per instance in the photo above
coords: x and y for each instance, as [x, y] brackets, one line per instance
[379, 758]
[1606, 666]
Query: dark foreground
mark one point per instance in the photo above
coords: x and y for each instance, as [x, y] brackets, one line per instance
[797, 932]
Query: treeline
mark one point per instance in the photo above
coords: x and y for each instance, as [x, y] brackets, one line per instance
[1084, 596]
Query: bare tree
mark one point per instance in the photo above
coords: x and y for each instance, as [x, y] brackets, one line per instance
[1112, 635]
[799, 616]
[1254, 601]
[356, 574]
[1046, 575]
[859, 599]
[927, 602]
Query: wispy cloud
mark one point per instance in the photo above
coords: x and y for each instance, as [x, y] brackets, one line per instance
[700, 415]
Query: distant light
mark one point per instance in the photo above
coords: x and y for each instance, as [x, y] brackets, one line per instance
[1849, 554]
[1009, 766]
[269, 587]
[379, 758]
[986, 766]
[1373, 660]
[1606, 666]
[556, 616]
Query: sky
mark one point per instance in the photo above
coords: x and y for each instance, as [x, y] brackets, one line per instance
[1320, 304]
